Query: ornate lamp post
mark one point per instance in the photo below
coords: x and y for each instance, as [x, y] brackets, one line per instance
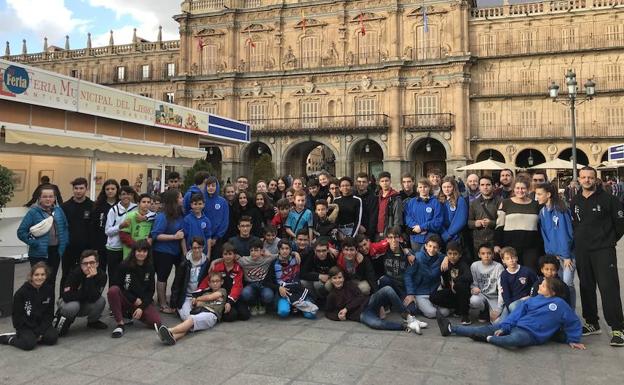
[571, 101]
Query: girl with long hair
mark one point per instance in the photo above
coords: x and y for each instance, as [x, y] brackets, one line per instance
[168, 243]
[245, 205]
[107, 198]
[454, 210]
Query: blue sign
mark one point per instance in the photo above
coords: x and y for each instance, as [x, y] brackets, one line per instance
[229, 129]
[16, 79]
[616, 152]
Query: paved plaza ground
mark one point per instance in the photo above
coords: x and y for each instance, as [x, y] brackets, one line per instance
[266, 350]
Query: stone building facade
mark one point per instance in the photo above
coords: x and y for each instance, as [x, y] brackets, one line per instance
[400, 85]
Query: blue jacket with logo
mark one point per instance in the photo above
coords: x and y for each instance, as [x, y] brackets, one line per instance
[197, 227]
[455, 219]
[542, 317]
[556, 228]
[38, 247]
[423, 276]
[425, 213]
[218, 210]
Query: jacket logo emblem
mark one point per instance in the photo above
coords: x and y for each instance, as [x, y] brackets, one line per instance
[27, 308]
[428, 210]
[203, 225]
[552, 307]
[217, 206]
[523, 280]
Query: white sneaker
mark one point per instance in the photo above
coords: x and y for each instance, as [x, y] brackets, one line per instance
[411, 318]
[423, 325]
[414, 326]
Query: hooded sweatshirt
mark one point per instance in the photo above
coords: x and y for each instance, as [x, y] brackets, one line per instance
[194, 189]
[33, 308]
[116, 216]
[556, 228]
[218, 211]
[454, 219]
[426, 213]
[187, 277]
[542, 317]
[423, 276]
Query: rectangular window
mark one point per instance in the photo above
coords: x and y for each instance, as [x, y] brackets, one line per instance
[488, 121]
[527, 81]
[257, 56]
[427, 42]
[365, 110]
[614, 35]
[613, 76]
[568, 39]
[526, 41]
[368, 51]
[310, 114]
[528, 119]
[252, 3]
[210, 108]
[487, 45]
[171, 70]
[426, 110]
[75, 74]
[145, 71]
[256, 115]
[615, 117]
[169, 97]
[488, 82]
[94, 77]
[310, 51]
[121, 74]
[209, 59]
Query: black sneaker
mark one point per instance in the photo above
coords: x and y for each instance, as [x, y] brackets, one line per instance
[98, 325]
[444, 325]
[591, 329]
[5, 338]
[165, 335]
[617, 338]
[118, 332]
[478, 337]
[465, 320]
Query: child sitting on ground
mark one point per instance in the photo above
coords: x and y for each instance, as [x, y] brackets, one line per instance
[533, 322]
[516, 281]
[232, 274]
[456, 281]
[315, 270]
[422, 278]
[283, 277]
[205, 309]
[549, 266]
[485, 280]
[255, 267]
[346, 302]
[33, 311]
[270, 241]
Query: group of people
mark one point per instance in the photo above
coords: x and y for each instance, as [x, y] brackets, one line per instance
[502, 256]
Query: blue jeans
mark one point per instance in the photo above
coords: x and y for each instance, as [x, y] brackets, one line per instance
[506, 311]
[254, 291]
[386, 281]
[567, 276]
[385, 296]
[516, 338]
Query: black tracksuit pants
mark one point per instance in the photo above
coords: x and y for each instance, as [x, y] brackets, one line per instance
[26, 339]
[600, 267]
[460, 300]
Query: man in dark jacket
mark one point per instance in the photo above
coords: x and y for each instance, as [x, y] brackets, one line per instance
[369, 203]
[82, 295]
[389, 207]
[598, 221]
[78, 211]
[482, 214]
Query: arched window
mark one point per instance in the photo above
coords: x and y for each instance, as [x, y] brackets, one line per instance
[427, 42]
[310, 51]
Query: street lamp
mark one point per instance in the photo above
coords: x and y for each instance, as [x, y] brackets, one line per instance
[572, 85]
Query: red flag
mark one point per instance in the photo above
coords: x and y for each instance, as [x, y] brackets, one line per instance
[200, 43]
[249, 40]
[303, 21]
[362, 27]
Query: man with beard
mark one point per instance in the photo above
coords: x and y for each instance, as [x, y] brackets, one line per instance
[369, 203]
[482, 214]
[506, 184]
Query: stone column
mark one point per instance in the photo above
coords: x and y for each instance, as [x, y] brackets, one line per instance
[460, 150]
[231, 47]
[394, 34]
[395, 158]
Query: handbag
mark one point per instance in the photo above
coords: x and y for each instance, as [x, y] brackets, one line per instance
[42, 228]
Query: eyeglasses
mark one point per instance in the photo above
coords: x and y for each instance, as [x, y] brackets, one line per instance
[89, 263]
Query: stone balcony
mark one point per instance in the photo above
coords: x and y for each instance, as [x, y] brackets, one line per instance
[542, 8]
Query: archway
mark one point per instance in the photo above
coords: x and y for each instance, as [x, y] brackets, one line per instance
[309, 158]
[426, 155]
[581, 157]
[214, 157]
[490, 154]
[366, 156]
[605, 157]
[529, 157]
[252, 154]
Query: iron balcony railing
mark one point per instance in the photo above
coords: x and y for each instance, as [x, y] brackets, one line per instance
[322, 124]
[540, 87]
[429, 122]
[512, 47]
[546, 131]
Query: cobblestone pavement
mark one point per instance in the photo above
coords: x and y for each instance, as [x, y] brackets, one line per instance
[266, 350]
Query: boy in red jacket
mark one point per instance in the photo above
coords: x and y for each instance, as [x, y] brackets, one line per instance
[232, 274]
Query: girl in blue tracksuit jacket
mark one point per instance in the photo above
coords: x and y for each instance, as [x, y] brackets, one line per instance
[556, 227]
[534, 322]
[454, 210]
[422, 215]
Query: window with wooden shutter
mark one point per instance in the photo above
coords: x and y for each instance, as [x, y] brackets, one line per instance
[310, 113]
[365, 109]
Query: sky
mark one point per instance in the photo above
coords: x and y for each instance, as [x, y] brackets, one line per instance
[35, 19]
